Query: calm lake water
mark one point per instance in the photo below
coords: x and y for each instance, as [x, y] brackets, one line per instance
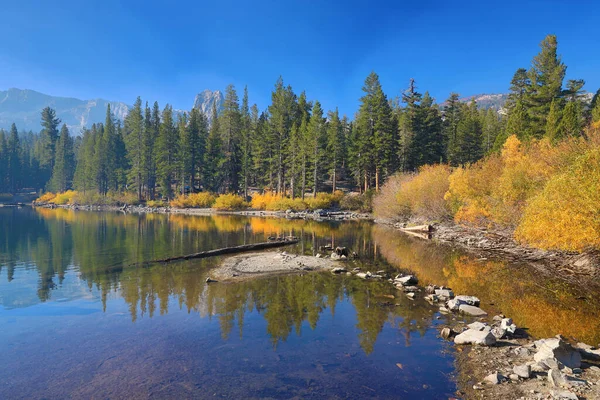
[77, 320]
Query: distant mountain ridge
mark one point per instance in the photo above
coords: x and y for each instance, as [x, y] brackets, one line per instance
[24, 106]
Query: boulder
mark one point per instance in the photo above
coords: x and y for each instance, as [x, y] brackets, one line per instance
[407, 280]
[507, 325]
[588, 352]
[453, 304]
[558, 349]
[432, 298]
[523, 371]
[478, 326]
[410, 295]
[411, 289]
[363, 275]
[557, 378]
[470, 300]
[494, 378]
[472, 336]
[430, 289]
[563, 395]
[444, 293]
[447, 333]
[471, 310]
[498, 332]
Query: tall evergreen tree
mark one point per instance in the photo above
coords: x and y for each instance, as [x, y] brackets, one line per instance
[49, 135]
[546, 75]
[230, 124]
[134, 142]
[335, 146]
[554, 121]
[452, 115]
[247, 122]
[214, 159]
[64, 163]
[13, 160]
[165, 152]
[316, 134]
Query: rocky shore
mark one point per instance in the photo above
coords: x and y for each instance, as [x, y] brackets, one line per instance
[580, 268]
[495, 358]
[318, 215]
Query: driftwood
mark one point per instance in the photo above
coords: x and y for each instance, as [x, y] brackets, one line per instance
[226, 250]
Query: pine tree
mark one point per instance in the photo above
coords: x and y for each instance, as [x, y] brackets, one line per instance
[213, 161]
[469, 133]
[335, 146]
[491, 129]
[316, 132]
[519, 87]
[281, 110]
[553, 121]
[184, 156]
[49, 136]
[165, 152]
[13, 160]
[197, 135]
[134, 142]
[595, 106]
[230, 124]
[64, 163]
[546, 75]
[452, 114]
[3, 162]
[430, 140]
[246, 142]
[572, 120]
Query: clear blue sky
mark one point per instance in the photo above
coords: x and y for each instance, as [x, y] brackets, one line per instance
[169, 51]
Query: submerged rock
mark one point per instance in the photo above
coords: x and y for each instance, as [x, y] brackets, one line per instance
[472, 336]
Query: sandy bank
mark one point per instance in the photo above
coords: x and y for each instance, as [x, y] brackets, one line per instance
[252, 265]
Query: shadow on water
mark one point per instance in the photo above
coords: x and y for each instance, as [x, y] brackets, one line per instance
[285, 336]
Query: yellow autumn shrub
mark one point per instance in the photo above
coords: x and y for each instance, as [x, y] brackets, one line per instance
[324, 200]
[230, 202]
[194, 200]
[64, 198]
[566, 214]
[46, 197]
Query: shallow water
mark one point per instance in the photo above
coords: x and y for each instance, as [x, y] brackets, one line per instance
[77, 319]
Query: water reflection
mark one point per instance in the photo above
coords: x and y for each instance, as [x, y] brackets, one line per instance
[545, 305]
[72, 251]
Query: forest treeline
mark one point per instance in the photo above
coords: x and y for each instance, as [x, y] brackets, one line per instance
[543, 183]
[294, 146]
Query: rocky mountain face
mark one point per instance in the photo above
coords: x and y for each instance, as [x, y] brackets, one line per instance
[486, 101]
[204, 102]
[23, 107]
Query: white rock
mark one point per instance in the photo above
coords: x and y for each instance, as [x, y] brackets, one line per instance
[563, 395]
[407, 280]
[471, 310]
[524, 371]
[559, 349]
[494, 378]
[478, 326]
[446, 293]
[470, 300]
[557, 378]
[472, 336]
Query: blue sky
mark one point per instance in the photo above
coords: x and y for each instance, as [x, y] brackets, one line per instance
[169, 51]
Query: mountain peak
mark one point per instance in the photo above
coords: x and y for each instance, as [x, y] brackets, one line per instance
[204, 101]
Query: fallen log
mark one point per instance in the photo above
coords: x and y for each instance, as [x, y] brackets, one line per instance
[227, 250]
[418, 228]
[420, 235]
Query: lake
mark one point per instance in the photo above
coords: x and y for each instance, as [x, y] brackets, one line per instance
[81, 317]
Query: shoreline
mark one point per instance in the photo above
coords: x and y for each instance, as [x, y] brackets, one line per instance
[582, 269]
[324, 215]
